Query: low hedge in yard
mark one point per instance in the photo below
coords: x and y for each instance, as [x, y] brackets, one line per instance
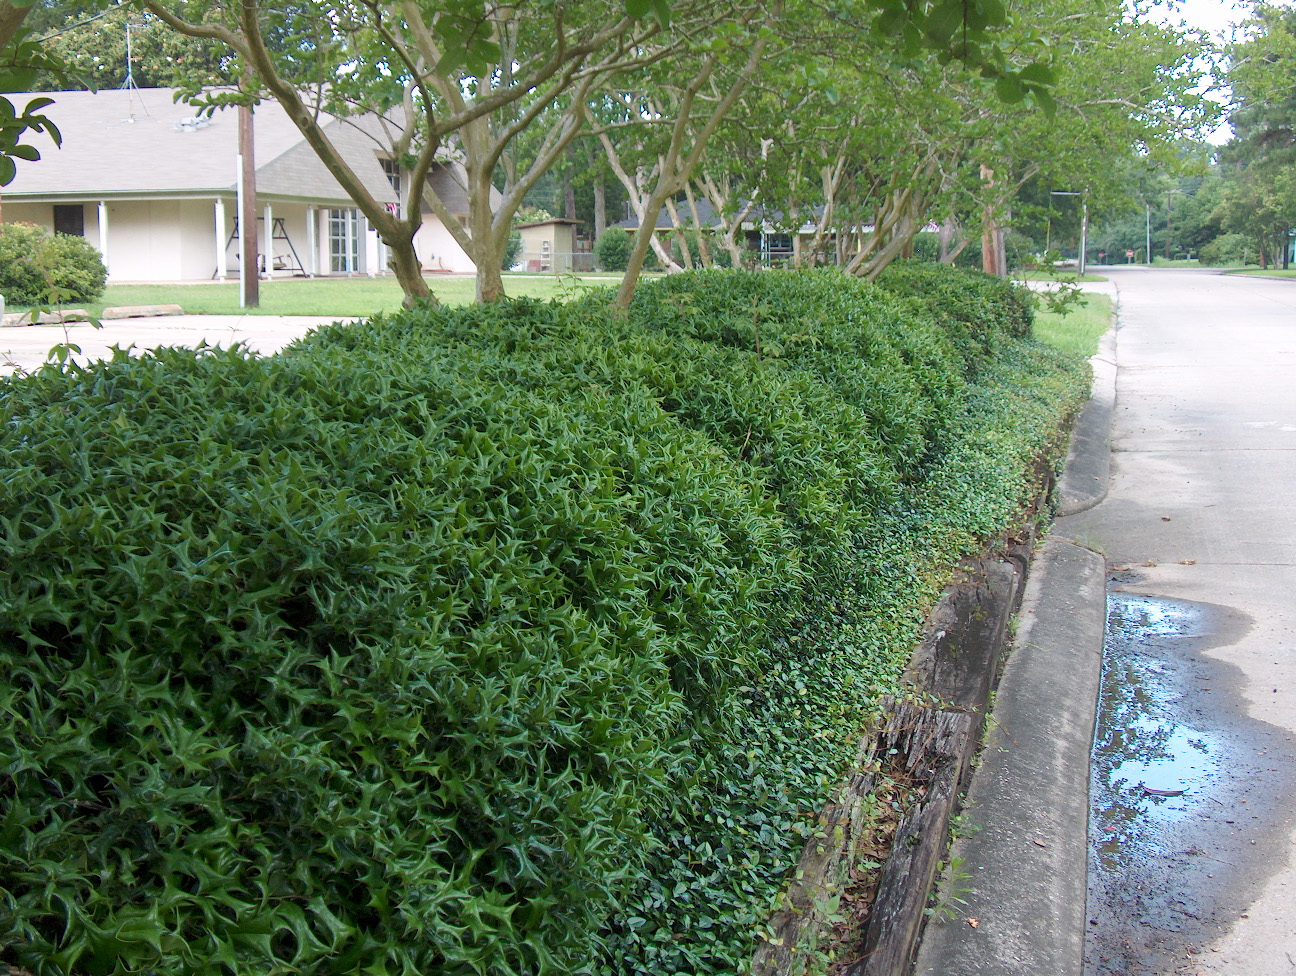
[977, 311]
[38, 267]
[507, 639]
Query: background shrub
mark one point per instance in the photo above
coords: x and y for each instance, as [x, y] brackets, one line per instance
[28, 253]
[926, 246]
[506, 639]
[20, 278]
[612, 249]
[1226, 250]
[720, 256]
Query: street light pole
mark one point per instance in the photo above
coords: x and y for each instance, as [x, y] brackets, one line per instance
[1084, 222]
[1148, 252]
[1084, 236]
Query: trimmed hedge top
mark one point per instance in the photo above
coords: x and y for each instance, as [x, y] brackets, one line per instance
[509, 639]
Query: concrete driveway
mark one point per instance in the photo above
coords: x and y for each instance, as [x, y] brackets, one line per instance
[1201, 517]
[24, 348]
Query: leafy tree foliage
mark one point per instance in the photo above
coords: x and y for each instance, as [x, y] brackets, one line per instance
[22, 60]
[1259, 197]
[94, 48]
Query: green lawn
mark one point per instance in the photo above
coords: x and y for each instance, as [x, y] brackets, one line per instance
[1078, 331]
[1062, 275]
[343, 297]
[1176, 263]
[1267, 272]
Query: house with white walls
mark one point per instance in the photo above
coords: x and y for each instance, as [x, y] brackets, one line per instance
[154, 186]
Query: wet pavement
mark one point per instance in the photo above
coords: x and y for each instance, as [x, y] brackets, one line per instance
[1186, 794]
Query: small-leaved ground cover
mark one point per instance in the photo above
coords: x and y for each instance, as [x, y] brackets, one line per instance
[515, 639]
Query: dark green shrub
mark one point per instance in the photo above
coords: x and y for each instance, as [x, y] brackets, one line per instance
[976, 310]
[926, 246]
[720, 256]
[514, 638]
[612, 249]
[511, 250]
[38, 268]
[21, 282]
[1225, 251]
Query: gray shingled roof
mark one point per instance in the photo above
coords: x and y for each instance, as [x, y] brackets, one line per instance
[132, 144]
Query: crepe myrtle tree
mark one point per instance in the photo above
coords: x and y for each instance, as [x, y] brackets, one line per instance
[22, 61]
[464, 77]
[656, 134]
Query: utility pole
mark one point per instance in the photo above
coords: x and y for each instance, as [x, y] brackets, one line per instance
[1084, 236]
[1169, 193]
[1148, 252]
[249, 265]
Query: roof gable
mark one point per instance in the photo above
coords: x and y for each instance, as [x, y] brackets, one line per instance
[139, 142]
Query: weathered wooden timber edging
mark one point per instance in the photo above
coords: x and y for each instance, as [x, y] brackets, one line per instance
[925, 743]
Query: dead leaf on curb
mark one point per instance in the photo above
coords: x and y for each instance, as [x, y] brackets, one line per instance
[1149, 564]
[1165, 518]
[973, 922]
[1187, 562]
[1038, 843]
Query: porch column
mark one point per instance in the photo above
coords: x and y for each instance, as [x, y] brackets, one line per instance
[268, 238]
[371, 250]
[222, 266]
[103, 235]
[312, 243]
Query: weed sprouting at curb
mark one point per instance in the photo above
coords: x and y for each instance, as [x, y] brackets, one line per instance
[950, 893]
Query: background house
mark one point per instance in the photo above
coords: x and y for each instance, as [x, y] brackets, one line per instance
[763, 234]
[154, 187]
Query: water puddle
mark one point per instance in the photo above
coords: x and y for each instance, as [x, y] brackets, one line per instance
[1181, 792]
[1174, 759]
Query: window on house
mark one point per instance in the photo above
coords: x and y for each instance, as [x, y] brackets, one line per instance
[393, 171]
[69, 218]
[344, 240]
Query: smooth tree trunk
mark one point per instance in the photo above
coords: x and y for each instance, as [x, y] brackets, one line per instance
[600, 209]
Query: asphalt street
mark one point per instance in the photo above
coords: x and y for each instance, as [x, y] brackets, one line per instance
[1200, 509]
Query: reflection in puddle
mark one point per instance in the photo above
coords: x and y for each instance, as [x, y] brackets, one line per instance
[1149, 767]
[1183, 793]
[1177, 758]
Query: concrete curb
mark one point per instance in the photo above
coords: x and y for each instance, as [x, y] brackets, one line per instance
[141, 311]
[1088, 466]
[1024, 858]
[13, 319]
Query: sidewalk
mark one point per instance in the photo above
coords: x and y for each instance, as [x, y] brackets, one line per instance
[24, 348]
